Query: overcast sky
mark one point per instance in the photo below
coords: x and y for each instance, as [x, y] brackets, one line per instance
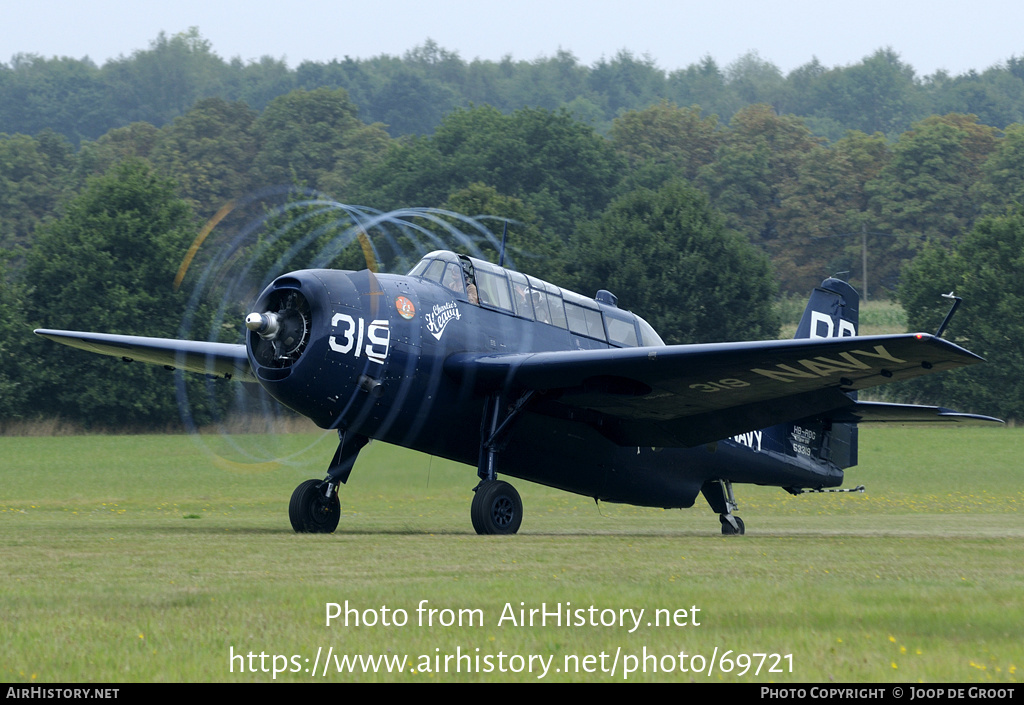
[928, 34]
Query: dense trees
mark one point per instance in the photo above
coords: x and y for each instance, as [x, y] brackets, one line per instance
[209, 151]
[758, 156]
[108, 264]
[924, 191]
[411, 94]
[664, 142]
[34, 175]
[878, 94]
[824, 212]
[315, 138]
[986, 268]
[667, 254]
[934, 163]
[554, 164]
[66, 95]
[1001, 183]
[16, 371]
[810, 204]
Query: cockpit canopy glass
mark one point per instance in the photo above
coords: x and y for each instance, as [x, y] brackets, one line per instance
[533, 299]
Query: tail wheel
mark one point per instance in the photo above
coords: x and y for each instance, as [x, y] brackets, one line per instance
[311, 512]
[496, 509]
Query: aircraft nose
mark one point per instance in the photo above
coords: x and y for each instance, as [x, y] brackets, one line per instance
[282, 329]
[316, 344]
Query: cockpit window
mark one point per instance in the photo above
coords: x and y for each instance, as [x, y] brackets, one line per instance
[531, 298]
[648, 336]
[452, 279]
[583, 315]
[417, 271]
[621, 331]
[584, 321]
[521, 295]
[547, 302]
[493, 288]
[434, 270]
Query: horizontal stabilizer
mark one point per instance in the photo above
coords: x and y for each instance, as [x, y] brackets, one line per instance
[217, 359]
[879, 412]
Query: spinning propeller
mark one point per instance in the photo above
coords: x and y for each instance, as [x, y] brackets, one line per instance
[246, 247]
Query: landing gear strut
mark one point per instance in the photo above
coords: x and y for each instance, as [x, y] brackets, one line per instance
[497, 507]
[719, 495]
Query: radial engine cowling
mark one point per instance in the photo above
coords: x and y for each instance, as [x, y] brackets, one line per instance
[280, 333]
[296, 336]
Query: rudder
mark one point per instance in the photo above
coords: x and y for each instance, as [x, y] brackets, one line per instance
[832, 311]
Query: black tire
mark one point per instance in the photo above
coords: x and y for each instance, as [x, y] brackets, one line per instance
[496, 509]
[729, 530]
[310, 512]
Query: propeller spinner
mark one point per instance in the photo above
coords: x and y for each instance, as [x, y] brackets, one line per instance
[283, 329]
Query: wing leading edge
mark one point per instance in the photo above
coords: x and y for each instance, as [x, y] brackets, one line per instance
[685, 395]
[219, 359]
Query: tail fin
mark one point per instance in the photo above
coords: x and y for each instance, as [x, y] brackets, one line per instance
[832, 311]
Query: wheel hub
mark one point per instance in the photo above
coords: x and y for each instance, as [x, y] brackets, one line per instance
[502, 511]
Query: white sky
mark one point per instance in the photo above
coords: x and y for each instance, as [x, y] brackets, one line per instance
[928, 34]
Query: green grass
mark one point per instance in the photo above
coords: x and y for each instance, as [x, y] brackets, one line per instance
[140, 558]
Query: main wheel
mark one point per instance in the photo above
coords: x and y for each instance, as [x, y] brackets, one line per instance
[312, 513]
[497, 508]
[728, 529]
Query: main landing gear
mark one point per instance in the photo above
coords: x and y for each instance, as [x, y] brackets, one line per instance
[732, 528]
[496, 508]
[719, 495]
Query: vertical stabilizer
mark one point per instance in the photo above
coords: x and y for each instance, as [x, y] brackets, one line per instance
[832, 311]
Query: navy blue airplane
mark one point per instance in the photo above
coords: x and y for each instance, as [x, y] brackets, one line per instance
[496, 369]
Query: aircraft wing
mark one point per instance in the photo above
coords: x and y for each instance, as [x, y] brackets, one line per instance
[685, 395]
[218, 359]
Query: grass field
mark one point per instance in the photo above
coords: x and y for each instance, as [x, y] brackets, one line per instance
[146, 558]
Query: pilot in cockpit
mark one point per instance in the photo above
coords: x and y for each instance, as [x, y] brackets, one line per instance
[467, 269]
[453, 279]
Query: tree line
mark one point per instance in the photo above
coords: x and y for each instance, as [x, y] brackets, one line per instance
[411, 94]
[814, 207]
[695, 221]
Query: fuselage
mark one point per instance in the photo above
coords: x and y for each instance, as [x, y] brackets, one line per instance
[366, 353]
